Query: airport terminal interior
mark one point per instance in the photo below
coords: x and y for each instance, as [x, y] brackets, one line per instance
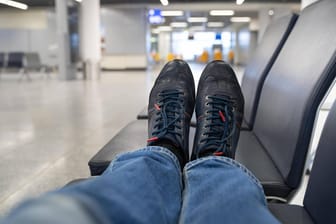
[75, 73]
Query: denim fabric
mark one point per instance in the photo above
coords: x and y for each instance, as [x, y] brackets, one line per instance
[145, 186]
[220, 190]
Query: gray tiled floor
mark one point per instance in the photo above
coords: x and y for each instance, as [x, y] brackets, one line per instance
[49, 129]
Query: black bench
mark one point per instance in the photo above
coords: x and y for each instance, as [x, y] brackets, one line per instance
[276, 149]
[319, 203]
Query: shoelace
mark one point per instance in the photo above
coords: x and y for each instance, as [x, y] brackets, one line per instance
[221, 127]
[168, 110]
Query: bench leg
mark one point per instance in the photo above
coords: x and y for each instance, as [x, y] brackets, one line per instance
[24, 72]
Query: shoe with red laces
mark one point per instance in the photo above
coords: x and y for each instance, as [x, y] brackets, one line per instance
[219, 112]
[171, 104]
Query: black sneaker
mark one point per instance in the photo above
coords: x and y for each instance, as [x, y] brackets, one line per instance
[171, 104]
[219, 112]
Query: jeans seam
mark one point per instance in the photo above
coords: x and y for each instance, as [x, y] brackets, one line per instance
[186, 188]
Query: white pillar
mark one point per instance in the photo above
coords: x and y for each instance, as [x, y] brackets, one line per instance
[237, 47]
[66, 69]
[90, 36]
[164, 46]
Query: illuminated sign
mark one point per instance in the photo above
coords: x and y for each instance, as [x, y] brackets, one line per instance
[218, 36]
[155, 17]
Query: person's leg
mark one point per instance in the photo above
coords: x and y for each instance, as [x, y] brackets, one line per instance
[138, 187]
[218, 189]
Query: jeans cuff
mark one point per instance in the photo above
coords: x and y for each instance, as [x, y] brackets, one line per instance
[155, 149]
[227, 161]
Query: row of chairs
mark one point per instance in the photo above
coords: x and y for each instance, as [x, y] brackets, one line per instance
[284, 84]
[319, 203]
[23, 63]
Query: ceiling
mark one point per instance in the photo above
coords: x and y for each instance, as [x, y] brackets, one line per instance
[39, 3]
[191, 8]
[196, 1]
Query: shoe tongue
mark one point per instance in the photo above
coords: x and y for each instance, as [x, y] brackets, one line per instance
[217, 132]
[218, 129]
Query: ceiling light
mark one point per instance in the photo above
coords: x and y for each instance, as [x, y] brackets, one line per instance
[14, 4]
[172, 13]
[221, 12]
[164, 2]
[197, 19]
[78, 0]
[155, 31]
[179, 24]
[271, 12]
[215, 24]
[240, 19]
[164, 28]
[196, 28]
[239, 2]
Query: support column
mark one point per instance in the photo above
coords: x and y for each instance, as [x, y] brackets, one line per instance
[165, 47]
[67, 71]
[90, 37]
[237, 46]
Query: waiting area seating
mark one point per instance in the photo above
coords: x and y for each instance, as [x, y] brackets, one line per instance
[2, 60]
[15, 60]
[2, 63]
[22, 63]
[261, 63]
[319, 203]
[289, 101]
[275, 149]
[33, 63]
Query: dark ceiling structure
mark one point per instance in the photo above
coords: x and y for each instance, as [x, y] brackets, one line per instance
[196, 1]
[44, 3]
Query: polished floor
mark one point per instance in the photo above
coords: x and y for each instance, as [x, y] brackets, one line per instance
[49, 129]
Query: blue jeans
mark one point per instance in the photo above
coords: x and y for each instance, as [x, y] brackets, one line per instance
[147, 186]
